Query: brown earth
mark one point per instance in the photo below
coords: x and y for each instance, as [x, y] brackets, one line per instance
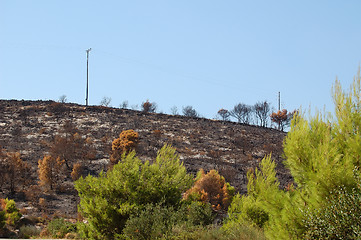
[231, 148]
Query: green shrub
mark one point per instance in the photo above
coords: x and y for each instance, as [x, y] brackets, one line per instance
[58, 228]
[263, 199]
[157, 221]
[187, 232]
[243, 232]
[339, 218]
[13, 218]
[211, 232]
[12, 214]
[259, 216]
[199, 213]
[153, 222]
[28, 232]
[109, 200]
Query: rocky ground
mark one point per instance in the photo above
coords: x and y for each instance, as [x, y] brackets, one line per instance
[231, 148]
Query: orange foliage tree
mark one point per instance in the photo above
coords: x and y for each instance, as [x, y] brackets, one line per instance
[127, 141]
[2, 169]
[211, 188]
[14, 171]
[282, 118]
[77, 171]
[50, 171]
[148, 106]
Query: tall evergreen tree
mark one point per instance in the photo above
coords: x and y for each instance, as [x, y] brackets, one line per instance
[323, 155]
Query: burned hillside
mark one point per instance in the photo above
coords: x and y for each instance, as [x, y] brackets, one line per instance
[31, 127]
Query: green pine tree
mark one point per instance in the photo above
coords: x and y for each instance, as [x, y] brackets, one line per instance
[109, 200]
[323, 153]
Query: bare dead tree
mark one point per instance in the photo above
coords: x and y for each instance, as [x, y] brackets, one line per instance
[105, 102]
[189, 111]
[174, 110]
[124, 104]
[63, 99]
[224, 114]
[262, 112]
[135, 107]
[242, 112]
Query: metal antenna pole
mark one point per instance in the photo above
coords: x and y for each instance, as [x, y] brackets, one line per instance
[87, 76]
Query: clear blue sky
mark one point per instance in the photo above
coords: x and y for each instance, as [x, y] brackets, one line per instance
[204, 53]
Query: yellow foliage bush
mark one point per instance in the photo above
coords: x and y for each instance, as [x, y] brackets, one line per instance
[211, 188]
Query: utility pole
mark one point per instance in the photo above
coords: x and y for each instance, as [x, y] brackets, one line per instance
[87, 76]
[279, 108]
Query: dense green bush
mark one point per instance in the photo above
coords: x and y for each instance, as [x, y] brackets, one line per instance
[339, 218]
[258, 215]
[28, 232]
[157, 221]
[238, 231]
[58, 228]
[263, 200]
[108, 201]
[199, 213]
[9, 218]
[213, 232]
[12, 214]
[153, 222]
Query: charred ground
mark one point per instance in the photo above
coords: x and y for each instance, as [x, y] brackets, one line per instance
[231, 148]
